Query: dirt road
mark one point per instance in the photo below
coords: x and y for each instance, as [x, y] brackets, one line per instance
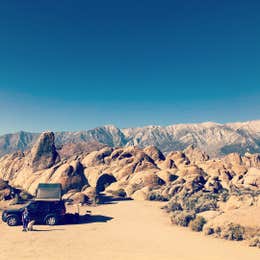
[124, 230]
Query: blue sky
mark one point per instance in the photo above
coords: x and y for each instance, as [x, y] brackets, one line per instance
[73, 65]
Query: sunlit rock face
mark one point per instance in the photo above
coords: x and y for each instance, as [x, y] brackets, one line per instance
[129, 168]
[43, 154]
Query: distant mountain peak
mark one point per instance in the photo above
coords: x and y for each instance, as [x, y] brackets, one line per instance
[213, 138]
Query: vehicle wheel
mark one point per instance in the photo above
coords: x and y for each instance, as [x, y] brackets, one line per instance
[51, 220]
[12, 221]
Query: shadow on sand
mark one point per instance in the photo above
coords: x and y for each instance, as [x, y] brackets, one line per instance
[93, 219]
[76, 219]
[107, 199]
[46, 230]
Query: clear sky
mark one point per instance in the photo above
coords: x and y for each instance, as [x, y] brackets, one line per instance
[74, 65]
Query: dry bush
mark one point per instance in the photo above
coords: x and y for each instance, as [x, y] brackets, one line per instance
[174, 206]
[198, 202]
[182, 218]
[233, 232]
[197, 224]
[255, 242]
[157, 196]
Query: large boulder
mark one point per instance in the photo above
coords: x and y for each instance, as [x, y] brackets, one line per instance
[167, 176]
[235, 202]
[154, 153]
[252, 160]
[195, 154]
[97, 158]
[141, 194]
[190, 170]
[179, 158]
[78, 198]
[232, 159]
[213, 184]
[43, 153]
[252, 177]
[90, 192]
[71, 149]
[70, 175]
[11, 164]
[143, 179]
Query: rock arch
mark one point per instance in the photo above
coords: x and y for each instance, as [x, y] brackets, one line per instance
[103, 181]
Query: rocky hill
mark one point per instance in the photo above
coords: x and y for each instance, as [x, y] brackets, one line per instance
[215, 139]
[193, 183]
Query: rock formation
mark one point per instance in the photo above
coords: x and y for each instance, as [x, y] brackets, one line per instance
[43, 154]
[194, 184]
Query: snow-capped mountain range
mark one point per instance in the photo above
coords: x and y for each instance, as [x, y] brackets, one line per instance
[213, 138]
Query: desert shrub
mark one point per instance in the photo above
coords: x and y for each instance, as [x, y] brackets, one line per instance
[233, 232]
[218, 231]
[223, 195]
[255, 242]
[118, 193]
[153, 195]
[174, 206]
[207, 230]
[197, 224]
[198, 202]
[182, 218]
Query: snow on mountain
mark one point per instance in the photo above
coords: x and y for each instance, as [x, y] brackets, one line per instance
[213, 138]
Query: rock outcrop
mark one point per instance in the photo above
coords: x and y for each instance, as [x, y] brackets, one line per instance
[43, 154]
[140, 173]
[219, 189]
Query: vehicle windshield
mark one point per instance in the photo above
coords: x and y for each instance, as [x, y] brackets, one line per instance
[26, 205]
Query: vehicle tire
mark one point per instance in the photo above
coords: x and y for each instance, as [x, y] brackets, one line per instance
[51, 220]
[12, 221]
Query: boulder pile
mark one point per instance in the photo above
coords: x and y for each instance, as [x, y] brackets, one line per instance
[190, 180]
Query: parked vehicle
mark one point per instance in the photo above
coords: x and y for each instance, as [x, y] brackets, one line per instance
[42, 212]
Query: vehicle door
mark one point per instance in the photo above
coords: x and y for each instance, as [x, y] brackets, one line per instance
[38, 210]
[33, 210]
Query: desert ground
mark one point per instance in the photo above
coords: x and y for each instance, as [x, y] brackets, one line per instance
[119, 230]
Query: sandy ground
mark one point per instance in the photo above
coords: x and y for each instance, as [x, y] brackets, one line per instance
[136, 230]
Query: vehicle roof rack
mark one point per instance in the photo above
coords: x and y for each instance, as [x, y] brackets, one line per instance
[48, 192]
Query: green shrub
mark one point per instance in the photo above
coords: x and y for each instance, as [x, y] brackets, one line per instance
[182, 218]
[197, 224]
[198, 202]
[233, 232]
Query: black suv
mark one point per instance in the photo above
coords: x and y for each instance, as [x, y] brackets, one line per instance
[42, 212]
